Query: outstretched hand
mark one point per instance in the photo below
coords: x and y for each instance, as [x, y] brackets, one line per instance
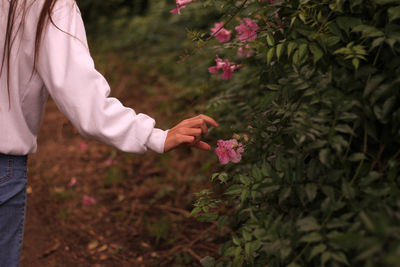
[189, 132]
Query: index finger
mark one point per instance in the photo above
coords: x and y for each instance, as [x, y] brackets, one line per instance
[209, 120]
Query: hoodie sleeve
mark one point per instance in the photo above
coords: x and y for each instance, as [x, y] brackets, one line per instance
[82, 93]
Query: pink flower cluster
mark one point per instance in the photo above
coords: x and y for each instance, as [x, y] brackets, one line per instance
[179, 5]
[247, 30]
[220, 33]
[229, 150]
[227, 68]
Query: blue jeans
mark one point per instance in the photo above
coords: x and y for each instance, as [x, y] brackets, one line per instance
[12, 208]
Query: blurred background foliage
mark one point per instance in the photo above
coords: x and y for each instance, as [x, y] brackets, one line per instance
[145, 31]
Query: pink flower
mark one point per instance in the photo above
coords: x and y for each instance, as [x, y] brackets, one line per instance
[83, 146]
[229, 150]
[179, 5]
[88, 201]
[220, 33]
[247, 30]
[110, 162]
[226, 67]
[73, 182]
[245, 51]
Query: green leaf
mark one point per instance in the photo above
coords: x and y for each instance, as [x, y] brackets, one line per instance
[345, 128]
[245, 195]
[234, 189]
[279, 50]
[270, 189]
[368, 31]
[311, 238]
[207, 261]
[377, 42]
[388, 106]
[327, 255]
[347, 190]
[372, 84]
[308, 224]
[270, 55]
[357, 157]
[285, 193]
[367, 221]
[394, 13]
[385, 2]
[207, 217]
[372, 176]
[244, 179]
[236, 240]
[343, 51]
[266, 169]
[311, 191]
[303, 50]
[229, 252]
[340, 257]
[317, 53]
[256, 172]
[222, 177]
[270, 40]
[255, 245]
[247, 249]
[331, 41]
[247, 236]
[369, 252]
[296, 57]
[324, 156]
[291, 47]
[317, 250]
[195, 211]
[346, 23]
[356, 63]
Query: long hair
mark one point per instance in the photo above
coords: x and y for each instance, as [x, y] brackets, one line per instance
[11, 32]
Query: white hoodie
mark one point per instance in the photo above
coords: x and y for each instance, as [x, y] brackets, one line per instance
[66, 71]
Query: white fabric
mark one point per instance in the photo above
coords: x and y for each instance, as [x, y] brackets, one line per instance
[66, 71]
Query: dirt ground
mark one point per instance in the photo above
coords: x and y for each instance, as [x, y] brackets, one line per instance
[138, 204]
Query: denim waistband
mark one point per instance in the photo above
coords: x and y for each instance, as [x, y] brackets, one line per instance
[15, 159]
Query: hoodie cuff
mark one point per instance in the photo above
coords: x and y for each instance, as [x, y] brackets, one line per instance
[156, 140]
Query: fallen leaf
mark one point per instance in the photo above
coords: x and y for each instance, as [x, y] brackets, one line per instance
[102, 248]
[92, 245]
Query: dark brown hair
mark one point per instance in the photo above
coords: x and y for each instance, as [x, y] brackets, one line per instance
[44, 18]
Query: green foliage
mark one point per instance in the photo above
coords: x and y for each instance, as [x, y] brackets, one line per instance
[320, 102]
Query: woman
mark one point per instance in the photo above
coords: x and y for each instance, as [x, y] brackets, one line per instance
[44, 51]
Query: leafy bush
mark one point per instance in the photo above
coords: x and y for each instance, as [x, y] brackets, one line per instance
[320, 104]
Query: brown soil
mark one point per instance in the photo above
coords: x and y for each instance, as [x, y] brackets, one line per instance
[140, 217]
